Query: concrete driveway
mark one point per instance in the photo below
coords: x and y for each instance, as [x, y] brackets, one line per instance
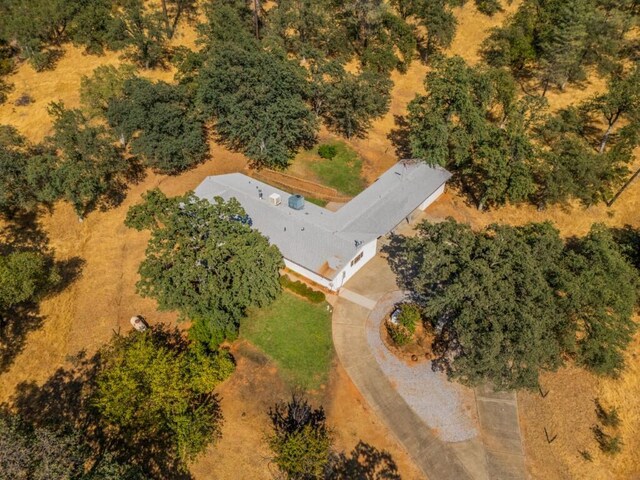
[445, 441]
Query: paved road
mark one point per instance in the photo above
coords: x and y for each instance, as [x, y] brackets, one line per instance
[495, 455]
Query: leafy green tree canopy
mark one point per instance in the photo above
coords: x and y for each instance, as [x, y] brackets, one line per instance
[601, 299]
[140, 32]
[24, 277]
[257, 100]
[28, 453]
[159, 122]
[301, 440]
[25, 173]
[155, 385]
[204, 261]
[580, 159]
[436, 19]
[472, 122]
[508, 302]
[105, 84]
[347, 102]
[37, 27]
[90, 169]
[553, 41]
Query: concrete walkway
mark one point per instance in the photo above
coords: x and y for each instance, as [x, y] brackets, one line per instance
[496, 454]
[357, 298]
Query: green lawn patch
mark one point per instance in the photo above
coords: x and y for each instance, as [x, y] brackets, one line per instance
[316, 201]
[343, 172]
[296, 335]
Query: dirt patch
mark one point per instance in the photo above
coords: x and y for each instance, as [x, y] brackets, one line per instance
[290, 183]
[246, 398]
[254, 387]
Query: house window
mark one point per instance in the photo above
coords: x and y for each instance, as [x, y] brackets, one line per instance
[357, 259]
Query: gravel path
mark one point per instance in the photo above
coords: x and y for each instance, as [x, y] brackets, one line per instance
[446, 407]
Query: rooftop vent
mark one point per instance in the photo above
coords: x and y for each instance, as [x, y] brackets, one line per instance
[296, 202]
[275, 199]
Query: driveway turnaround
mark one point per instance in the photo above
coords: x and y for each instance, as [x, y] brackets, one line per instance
[433, 456]
[443, 443]
[442, 405]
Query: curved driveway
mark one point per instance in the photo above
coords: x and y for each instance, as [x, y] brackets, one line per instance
[495, 454]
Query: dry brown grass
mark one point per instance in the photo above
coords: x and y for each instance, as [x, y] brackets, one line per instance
[62, 84]
[103, 298]
[568, 411]
[473, 28]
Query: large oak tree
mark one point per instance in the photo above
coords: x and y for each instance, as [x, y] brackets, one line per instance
[204, 261]
[508, 302]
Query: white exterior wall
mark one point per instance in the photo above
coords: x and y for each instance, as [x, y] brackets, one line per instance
[314, 277]
[432, 198]
[368, 251]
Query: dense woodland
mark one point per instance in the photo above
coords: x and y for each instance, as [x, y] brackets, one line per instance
[262, 81]
[506, 302]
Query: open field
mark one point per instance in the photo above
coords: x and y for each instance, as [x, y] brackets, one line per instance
[103, 298]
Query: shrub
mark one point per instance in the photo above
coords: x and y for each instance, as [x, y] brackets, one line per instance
[327, 151]
[302, 289]
[586, 455]
[5, 88]
[409, 316]
[608, 444]
[402, 330]
[24, 100]
[608, 418]
[301, 440]
[399, 333]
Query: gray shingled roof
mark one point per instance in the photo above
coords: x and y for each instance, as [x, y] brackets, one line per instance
[313, 236]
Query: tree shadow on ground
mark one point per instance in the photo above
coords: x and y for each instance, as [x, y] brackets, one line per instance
[15, 325]
[65, 403]
[364, 462]
[628, 238]
[25, 234]
[399, 137]
[118, 188]
[407, 269]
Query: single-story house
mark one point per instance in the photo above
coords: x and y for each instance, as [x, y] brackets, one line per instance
[329, 247]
